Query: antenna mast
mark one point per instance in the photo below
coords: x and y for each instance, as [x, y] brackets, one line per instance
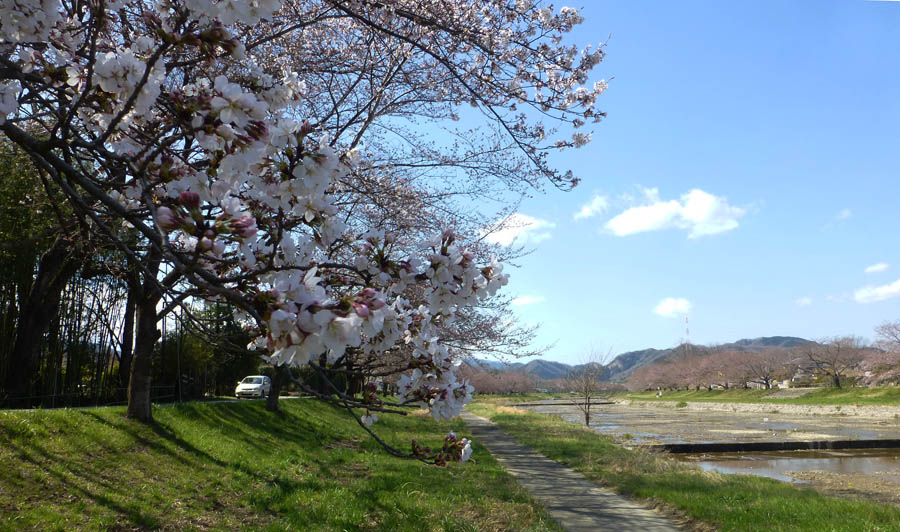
[687, 337]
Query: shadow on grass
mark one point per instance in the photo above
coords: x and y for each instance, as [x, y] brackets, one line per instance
[84, 482]
[136, 471]
[214, 466]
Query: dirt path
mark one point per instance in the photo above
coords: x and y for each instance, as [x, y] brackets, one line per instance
[576, 502]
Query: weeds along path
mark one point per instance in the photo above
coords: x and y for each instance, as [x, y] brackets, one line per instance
[576, 502]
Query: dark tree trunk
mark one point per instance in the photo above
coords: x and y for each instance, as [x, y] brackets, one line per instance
[323, 385]
[127, 338]
[41, 304]
[139, 384]
[278, 380]
[354, 381]
[836, 380]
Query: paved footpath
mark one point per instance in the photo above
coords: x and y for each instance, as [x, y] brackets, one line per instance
[577, 503]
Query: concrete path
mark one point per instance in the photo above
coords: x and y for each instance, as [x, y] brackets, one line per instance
[577, 503]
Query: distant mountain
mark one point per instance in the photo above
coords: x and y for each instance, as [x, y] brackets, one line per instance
[625, 364]
[621, 367]
[541, 369]
[483, 363]
[757, 344]
[546, 369]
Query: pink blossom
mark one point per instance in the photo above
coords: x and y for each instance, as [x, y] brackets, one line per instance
[190, 199]
[244, 227]
[167, 219]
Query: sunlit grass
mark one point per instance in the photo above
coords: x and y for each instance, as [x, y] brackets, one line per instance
[883, 395]
[728, 502]
[235, 466]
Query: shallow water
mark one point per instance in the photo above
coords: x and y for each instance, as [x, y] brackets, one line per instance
[655, 426]
[630, 425]
[884, 463]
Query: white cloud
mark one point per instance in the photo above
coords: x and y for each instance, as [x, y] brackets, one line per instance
[521, 229]
[527, 300]
[844, 214]
[672, 307]
[698, 212]
[878, 268]
[871, 294]
[804, 301]
[597, 205]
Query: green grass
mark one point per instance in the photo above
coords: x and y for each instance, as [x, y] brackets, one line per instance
[732, 396]
[728, 502]
[822, 396]
[234, 466]
[882, 395]
[521, 397]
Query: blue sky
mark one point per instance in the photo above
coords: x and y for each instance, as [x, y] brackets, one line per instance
[748, 169]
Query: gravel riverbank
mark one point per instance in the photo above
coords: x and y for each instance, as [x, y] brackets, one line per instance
[861, 411]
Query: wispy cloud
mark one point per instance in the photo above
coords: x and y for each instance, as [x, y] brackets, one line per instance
[597, 205]
[844, 214]
[872, 294]
[520, 229]
[673, 307]
[527, 300]
[698, 212]
[879, 267]
[804, 301]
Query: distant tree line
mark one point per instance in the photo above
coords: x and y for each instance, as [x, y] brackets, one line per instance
[837, 362]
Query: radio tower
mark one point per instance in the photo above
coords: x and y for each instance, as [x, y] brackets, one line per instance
[687, 337]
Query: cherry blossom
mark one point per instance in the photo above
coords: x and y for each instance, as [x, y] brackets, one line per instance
[196, 127]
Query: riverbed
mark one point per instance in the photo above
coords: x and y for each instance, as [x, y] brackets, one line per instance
[865, 473]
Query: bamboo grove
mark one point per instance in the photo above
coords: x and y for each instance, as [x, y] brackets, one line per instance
[67, 314]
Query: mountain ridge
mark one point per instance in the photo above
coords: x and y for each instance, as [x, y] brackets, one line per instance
[624, 364]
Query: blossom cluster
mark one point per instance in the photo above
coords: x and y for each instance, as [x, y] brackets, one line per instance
[454, 449]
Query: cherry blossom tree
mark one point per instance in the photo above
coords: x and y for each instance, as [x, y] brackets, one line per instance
[835, 357]
[765, 367]
[210, 144]
[888, 334]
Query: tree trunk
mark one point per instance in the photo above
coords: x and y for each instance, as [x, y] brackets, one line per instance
[127, 339]
[323, 385]
[277, 382]
[836, 380]
[140, 382]
[40, 306]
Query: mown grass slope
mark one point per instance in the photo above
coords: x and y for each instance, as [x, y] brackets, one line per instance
[234, 466]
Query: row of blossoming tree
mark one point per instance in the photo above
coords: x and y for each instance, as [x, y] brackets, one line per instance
[271, 156]
[830, 361]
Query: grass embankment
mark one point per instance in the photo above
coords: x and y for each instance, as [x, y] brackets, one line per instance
[881, 396]
[729, 502]
[498, 399]
[234, 466]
